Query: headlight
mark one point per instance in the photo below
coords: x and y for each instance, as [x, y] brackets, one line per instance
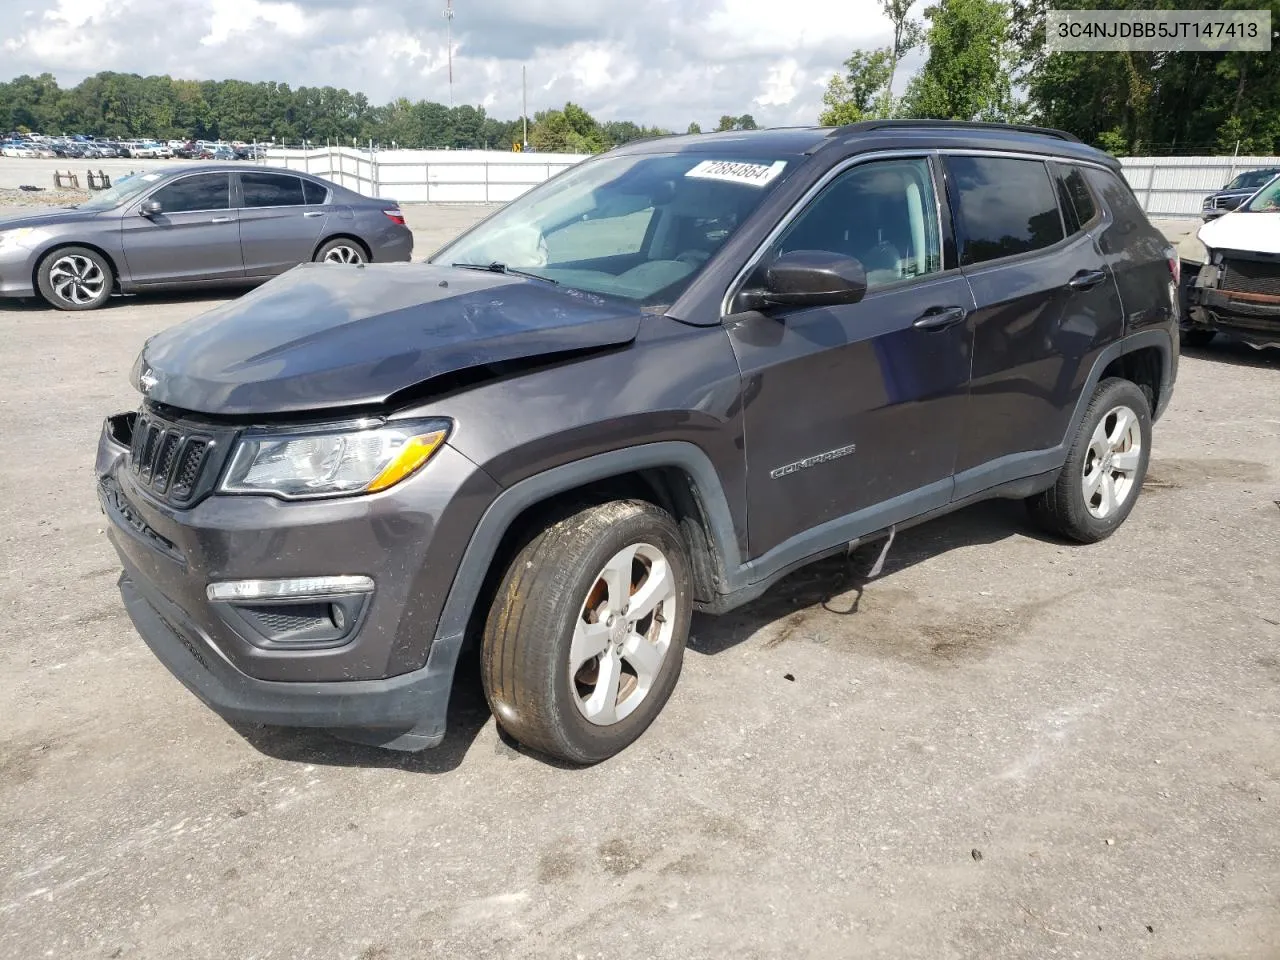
[332, 463]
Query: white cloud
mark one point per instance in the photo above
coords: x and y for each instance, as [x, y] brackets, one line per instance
[664, 62]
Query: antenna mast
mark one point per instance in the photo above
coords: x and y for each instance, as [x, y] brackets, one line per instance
[448, 21]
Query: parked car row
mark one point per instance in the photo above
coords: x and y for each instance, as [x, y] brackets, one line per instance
[85, 148]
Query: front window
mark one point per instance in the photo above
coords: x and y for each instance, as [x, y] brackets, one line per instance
[636, 227]
[1266, 200]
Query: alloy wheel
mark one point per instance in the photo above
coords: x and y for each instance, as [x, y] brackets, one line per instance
[77, 279]
[343, 253]
[1111, 463]
[622, 634]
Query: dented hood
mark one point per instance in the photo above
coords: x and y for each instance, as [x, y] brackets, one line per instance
[325, 336]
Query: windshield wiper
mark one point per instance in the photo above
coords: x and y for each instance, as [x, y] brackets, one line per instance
[497, 267]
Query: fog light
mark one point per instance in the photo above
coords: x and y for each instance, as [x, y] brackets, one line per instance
[337, 616]
[294, 587]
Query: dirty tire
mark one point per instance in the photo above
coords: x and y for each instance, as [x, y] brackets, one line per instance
[543, 599]
[342, 250]
[1063, 509]
[1194, 337]
[75, 278]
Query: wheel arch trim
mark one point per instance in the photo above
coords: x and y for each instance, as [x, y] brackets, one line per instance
[513, 501]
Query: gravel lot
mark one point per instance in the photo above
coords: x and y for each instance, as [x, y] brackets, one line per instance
[1004, 747]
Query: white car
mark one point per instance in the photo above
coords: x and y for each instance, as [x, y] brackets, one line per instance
[1237, 291]
[17, 150]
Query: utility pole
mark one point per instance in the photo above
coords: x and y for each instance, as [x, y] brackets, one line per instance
[448, 26]
[524, 110]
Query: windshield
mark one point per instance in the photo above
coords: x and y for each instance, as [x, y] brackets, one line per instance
[637, 227]
[120, 192]
[1251, 180]
[1266, 200]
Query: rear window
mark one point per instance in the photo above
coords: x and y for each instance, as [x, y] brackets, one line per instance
[1006, 207]
[271, 190]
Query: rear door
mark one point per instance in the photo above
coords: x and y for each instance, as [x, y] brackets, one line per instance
[282, 221]
[853, 412]
[1046, 304]
[192, 238]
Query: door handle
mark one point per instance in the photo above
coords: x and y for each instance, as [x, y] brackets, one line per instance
[314, 213]
[222, 220]
[939, 318]
[1086, 279]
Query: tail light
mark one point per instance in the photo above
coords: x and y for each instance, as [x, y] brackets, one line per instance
[395, 214]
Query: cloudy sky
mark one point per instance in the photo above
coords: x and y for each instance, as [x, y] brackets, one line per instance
[663, 62]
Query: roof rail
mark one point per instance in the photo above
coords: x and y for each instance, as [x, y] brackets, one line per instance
[865, 125]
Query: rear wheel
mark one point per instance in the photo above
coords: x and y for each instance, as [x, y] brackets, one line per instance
[75, 278]
[585, 638]
[341, 250]
[1105, 468]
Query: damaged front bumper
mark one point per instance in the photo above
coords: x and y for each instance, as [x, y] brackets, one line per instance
[1239, 297]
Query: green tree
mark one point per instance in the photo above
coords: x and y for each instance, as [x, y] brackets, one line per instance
[694, 128]
[907, 34]
[967, 73]
[744, 122]
[849, 96]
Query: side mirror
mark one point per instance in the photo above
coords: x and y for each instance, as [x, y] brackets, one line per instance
[811, 278]
[150, 208]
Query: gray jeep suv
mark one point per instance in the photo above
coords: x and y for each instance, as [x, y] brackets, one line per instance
[657, 383]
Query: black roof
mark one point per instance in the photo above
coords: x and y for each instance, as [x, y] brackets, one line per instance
[875, 134]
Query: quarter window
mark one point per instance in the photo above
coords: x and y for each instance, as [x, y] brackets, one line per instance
[314, 193]
[204, 191]
[1078, 199]
[882, 213]
[1006, 207]
[271, 190]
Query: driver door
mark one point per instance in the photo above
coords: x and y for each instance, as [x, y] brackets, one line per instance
[854, 413]
[195, 236]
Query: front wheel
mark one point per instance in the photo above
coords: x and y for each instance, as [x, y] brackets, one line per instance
[585, 639]
[1105, 467]
[341, 250]
[75, 278]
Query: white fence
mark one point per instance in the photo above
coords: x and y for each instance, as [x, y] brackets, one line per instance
[1177, 186]
[1165, 186]
[437, 176]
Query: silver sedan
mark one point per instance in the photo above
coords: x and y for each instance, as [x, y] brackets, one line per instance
[192, 226]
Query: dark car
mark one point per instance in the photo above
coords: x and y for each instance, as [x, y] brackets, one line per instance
[184, 226]
[657, 383]
[1236, 192]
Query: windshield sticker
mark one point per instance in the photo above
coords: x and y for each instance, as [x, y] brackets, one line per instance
[731, 171]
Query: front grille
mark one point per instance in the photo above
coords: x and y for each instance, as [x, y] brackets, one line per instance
[169, 459]
[1223, 203]
[1251, 276]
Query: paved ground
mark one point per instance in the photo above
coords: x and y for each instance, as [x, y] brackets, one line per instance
[1003, 748]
